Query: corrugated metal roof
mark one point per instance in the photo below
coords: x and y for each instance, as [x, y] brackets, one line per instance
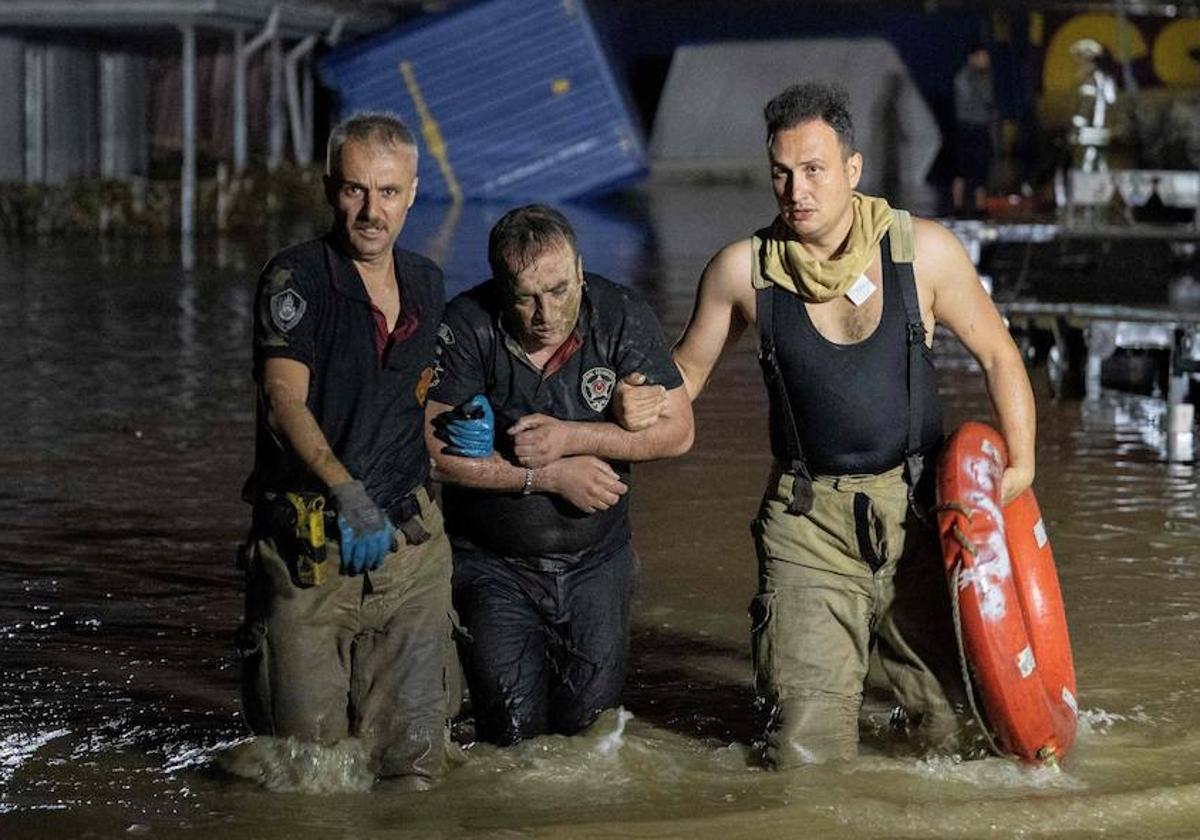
[295, 19]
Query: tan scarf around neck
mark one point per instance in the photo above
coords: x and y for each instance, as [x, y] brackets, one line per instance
[786, 263]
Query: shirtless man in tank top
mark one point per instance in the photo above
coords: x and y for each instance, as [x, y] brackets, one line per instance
[845, 292]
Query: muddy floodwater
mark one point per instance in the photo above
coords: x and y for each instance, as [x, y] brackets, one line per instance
[126, 431]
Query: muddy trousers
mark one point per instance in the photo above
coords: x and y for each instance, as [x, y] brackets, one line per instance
[542, 651]
[859, 571]
[362, 656]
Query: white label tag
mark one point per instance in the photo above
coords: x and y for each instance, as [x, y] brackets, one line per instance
[1025, 661]
[1039, 534]
[862, 289]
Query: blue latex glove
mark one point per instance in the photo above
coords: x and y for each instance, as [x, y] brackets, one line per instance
[471, 428]
[367, 535]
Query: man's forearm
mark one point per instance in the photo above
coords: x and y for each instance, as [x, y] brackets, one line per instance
[296, 424]
[1012, 398]
[693, 381]
[609, 441]
[669, 436]
[491, 473]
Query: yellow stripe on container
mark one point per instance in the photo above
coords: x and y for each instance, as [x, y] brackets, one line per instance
[431, 131]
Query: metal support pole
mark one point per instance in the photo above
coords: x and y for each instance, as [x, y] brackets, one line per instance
[188, 175]
[35, 114]
[240, 58]
[301, 131]
[1181, 415]
[1091, 377]
[275, 107]
[307, 105]
[109, 87]
[242, 52]
[1125, 48]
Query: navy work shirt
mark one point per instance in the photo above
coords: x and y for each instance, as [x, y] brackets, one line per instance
[616, 334]
[366, 387]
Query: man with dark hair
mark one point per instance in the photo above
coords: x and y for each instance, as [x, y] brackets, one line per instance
[538, 516]
[800, 103]
[347, 566]
[845, 293]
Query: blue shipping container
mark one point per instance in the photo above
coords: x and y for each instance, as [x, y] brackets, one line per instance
[512, 99]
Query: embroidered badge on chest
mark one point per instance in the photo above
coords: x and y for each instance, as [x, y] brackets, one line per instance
[597, 387]
[287, 308]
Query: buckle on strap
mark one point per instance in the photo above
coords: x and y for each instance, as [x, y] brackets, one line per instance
[414, 532]
[915, 332]
[405, 514]
[405, 508]
[914, 467]
[802, 490]
[920, 496]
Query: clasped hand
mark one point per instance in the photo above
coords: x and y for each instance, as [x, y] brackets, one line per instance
[470, 428]
[539, 440]
[636, 404]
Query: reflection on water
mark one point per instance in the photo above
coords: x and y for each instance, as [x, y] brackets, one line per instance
[126, 428]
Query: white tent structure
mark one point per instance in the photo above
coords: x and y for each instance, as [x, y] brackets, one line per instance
[709, 118]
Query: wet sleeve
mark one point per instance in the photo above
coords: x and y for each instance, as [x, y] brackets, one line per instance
[643, 347]
[459, 371]
[285, 317]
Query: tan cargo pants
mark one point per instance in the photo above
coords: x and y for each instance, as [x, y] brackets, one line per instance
[364, 656]
[859, 570]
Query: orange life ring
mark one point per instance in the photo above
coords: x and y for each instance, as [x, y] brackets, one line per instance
[1007, 601]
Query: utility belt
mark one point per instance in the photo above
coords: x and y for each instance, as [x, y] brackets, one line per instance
[405, 513]
[918, 479]
[301, 524]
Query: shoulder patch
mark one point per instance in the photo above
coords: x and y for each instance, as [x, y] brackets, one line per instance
[424, 383]
[287, 308]
[597, 387]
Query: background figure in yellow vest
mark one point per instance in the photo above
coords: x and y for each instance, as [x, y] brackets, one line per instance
[845, 293]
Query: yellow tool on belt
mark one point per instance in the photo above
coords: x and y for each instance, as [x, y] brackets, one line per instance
[310, 533]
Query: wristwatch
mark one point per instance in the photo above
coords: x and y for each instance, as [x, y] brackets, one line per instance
[528, 486]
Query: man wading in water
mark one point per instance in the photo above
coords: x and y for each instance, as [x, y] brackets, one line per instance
[543, 564]
[848, 559]
[347, 633]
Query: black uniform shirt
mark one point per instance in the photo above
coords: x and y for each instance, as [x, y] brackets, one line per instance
[312, 306]
[616, 334]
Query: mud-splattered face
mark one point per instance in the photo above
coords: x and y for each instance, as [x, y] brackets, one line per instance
[543, 298]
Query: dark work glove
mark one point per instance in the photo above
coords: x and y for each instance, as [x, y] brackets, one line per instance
[471, 428]
[367, 535]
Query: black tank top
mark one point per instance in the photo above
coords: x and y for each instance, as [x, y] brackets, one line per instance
[850, 401]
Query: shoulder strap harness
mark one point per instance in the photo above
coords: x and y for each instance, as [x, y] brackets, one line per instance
[900, 251]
